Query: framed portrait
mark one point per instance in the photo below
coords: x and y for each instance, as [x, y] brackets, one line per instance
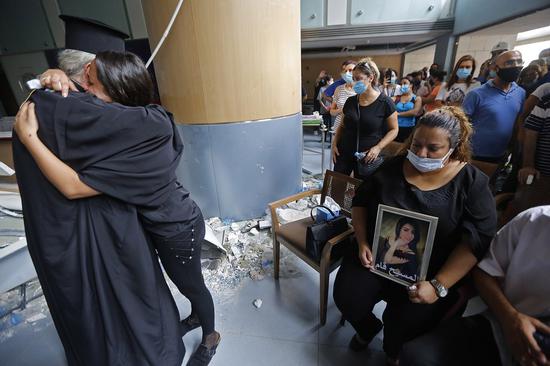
[402, 244]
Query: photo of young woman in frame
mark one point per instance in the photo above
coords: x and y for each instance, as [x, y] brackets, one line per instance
[402, 244]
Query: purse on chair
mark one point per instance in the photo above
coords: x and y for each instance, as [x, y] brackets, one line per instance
[317, 234]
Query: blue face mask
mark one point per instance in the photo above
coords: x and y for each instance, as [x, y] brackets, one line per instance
[405, 88]
[492, 74]
[348, 78]
[393, 79]
[463, 73]
[360, 87]
[425, 165]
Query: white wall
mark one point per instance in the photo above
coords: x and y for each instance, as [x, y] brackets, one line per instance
[416, 60]
[480, 46]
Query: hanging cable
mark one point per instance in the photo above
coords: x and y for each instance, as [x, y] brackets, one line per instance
[166, 32]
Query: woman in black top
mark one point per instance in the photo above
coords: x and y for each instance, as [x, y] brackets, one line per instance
[433, 177]
[370, 113]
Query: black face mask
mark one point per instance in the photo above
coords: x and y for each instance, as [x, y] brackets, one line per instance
[509, 74]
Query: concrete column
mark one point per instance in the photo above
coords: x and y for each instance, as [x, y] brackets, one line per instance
[230, 72]
[445, 51]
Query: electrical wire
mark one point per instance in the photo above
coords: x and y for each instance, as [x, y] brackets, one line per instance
[166, 32]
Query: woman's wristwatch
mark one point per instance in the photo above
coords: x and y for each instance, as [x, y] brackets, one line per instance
[440, 290]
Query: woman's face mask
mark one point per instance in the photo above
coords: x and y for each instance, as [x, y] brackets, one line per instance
[463, 73]
[347, 76]
[393, 80]
[425, 165]
[360, 87]
[405, 88]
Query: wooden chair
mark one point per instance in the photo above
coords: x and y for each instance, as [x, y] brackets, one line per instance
[341, 188]
[392, 148]
[488, 168]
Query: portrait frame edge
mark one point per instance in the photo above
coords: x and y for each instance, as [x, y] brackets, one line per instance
[430, 237]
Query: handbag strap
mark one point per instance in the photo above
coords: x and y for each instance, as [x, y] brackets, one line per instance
[323, 206]
[358, 123]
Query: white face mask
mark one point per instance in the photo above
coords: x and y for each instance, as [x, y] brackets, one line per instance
[425, 165]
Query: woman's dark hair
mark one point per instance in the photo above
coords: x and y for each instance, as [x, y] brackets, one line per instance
[416, 227]
[388, 73]
[324, 80]
[348, 62]
[438, 74]
[453, 120]
[125, 78]
[454, 78]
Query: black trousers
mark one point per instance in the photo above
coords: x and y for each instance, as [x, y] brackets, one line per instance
[461, 341]
[181, 258]
[357, 290]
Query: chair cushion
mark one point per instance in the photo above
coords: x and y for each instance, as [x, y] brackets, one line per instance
[294, 233]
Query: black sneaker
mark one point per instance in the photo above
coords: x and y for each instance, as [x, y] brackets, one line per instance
[359, 343]
[189, 323]
[203, 355]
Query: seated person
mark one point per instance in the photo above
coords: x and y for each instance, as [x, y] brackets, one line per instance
[431, 175]
[512, 279]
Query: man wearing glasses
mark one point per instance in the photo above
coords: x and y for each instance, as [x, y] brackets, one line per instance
[494, 107]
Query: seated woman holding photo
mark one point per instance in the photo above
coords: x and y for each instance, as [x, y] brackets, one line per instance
[398, 252]
[431, 175]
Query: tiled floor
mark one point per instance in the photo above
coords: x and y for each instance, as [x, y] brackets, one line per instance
[283, 331]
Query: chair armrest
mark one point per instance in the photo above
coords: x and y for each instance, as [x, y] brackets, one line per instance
[295, 197]
[337, 239]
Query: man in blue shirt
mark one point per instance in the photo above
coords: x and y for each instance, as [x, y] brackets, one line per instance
[494, 107]
[347, 77]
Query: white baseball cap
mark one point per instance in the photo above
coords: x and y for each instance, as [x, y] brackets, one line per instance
[500, 46]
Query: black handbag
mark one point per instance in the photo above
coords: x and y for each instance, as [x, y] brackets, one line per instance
[317, 234]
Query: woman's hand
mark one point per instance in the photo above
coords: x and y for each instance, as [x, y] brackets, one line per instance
[26, 123]
[335, 153]
[372, 154]
[422, 293]
[518, 331]
[365, 255]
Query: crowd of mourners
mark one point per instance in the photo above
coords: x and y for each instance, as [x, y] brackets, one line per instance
[473, 150]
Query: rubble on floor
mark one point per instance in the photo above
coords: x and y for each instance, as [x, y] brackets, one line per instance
[243, 250]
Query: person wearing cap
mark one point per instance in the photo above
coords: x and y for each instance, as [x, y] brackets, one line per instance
[84, 38]
[497, 49]
[99, 276]
[494, 107]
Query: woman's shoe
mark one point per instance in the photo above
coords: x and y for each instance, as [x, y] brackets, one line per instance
[203, 355]
[189, 323]
[359, 343]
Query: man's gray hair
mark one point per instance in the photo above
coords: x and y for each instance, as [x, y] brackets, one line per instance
[72, 62]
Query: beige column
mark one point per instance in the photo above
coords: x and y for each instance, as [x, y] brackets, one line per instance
[227, 60]
[230, 72]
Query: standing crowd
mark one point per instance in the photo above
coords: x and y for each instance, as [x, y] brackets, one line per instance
[447, 132]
